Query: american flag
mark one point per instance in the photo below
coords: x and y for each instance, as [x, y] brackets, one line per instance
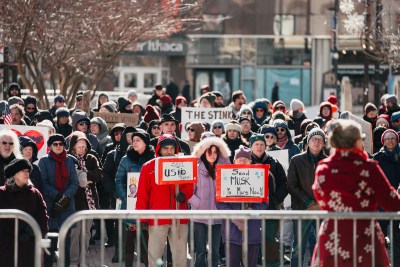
[7, 117]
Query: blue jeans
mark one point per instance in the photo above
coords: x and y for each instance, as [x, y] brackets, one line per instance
[200, 243]
[306, 227]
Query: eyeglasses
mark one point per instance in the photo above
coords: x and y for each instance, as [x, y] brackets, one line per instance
[259, 110]
[29, 108]
[217, 127]
[191, 130]
[317, 140]
[7, 143]
[81, 123]
[267, 136]
[155, 128]
[79, 99]
[56, 144]
[282, 130]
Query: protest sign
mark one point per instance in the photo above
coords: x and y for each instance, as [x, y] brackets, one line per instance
[208, 115]
[366, 128]
[176, 170]
[282, 156]
[131, 190]
[242, 183]
[130, 119]
[38, 134]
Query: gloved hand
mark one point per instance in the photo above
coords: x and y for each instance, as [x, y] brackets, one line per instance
[59, 206]
[180, 197]
[239, 224]
[144, 226]
[82, 179]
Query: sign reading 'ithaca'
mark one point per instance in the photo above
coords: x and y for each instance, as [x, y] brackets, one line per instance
[242, 183]
[165, 47]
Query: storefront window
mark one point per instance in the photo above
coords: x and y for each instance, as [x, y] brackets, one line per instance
[130, 80]
[149, 79]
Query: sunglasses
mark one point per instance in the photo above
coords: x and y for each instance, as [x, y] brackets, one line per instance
[217, 127]
[155, 128]
[259, 110]
[281, 130]
[191, 130]
[7, 143]
[83, 123]
[269, 136]
[56, 144]
[79, 99]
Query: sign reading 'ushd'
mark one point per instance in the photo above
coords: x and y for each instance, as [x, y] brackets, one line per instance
[242, 183]
[176, 170]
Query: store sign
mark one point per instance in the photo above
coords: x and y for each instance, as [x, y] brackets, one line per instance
[170, 47]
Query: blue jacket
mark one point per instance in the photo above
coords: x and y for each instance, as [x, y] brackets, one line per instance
[390, 164]
[47, 168]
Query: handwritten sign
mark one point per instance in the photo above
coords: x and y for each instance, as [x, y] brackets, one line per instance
[130, 119]
[38, 134]
[190, 115]
[176, 170]
[131, 190]
[282, 156]
[242, 183]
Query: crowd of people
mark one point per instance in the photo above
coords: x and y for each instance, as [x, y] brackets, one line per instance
[87, 164]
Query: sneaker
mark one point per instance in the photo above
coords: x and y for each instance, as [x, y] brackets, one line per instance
[109, 243]
[286, 260]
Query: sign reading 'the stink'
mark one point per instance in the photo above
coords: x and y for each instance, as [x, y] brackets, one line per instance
[242, 183]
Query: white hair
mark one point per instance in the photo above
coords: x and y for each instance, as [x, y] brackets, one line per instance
[14, 137]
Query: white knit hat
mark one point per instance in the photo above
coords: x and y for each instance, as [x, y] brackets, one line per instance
[296, 104]
[233, 126]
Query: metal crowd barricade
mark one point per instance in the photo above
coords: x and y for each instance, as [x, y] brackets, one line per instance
[317, 216]
[40, 243]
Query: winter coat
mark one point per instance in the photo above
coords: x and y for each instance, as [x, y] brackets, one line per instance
[3, 164]
[205, 189]
[36, 177]
[300, 177]
[152, 196]
[132, 162]
[254, 226]
[29, 200]
[277, 182]
[153, 100]
[293, 149]
[263, 105]
[348, 181]
[297, 119]
[390, 164]
[109, 170]
[233, 145]
[47, 167]
[64, 129]
[94, 142]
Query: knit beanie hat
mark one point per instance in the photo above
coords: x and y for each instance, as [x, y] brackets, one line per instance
[233, 125]
[279, 104]
[198, 129]
[369, 107]
[110, 106]
[243, 152]
[245, 108]
[382, 118]
[267, 129]
[210, 98]
[314, 132]
[296, 104]
[332, 99]
[15, 100]
[62, 112]
[54, 138]
[255, 138]
[387, 133]
[151, 114]
[180, 99]
[392, 99]
[132, 92]
[59, 98]
[30, 99]
[122, 103]
[243, 118]
[166, 99]
[216, 123]
[142, 135]
[166, 140]
[207, 135]
[278, 115]
[395, 116]
[204, 89]
[15, 166]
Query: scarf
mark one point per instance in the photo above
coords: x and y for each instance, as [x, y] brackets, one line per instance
[282, 142]
[62, 173]
[88, 190]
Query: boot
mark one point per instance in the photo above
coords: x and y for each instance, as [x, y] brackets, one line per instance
[129, 257]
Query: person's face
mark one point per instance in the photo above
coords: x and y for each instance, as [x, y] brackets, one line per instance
[258, 148]
[240, 101]
[246, 126]
[217, 130]
[132, 98]
[204, 103]
[30, 108]
[95, 128]
[132, 189]
[168, 127]
[27, 152]
[59, 104]
[129, 138]
[22, 177]
[191, 133]
[128, 107]
[389, 104]
[211, 154]
[137, 109]
[159, 93]
[117, 135]
[167, 151]
[103, 99]
[281, 132]
[80, 147]
[315, 144]
[280, 108]
[219, 100]
[390, 141]
[244, 161]
[269, 139]
[326, 111]
[371, 114]
[6, 146]
[79, 102]
[63, 120]
[396, 123]
[155, 130]
[50, 132]
[246, 114]
[16, 116]
[57, 147]
[383, 124]
[104, 110]
[232, 134]
[138, 144]
[82, 126]
[182, 104]
[259, 112]
[14, 91]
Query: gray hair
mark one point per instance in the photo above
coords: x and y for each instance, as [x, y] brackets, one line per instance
[344, 133]
[14, 137]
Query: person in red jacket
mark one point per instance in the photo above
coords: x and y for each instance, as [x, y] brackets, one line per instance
[152, 196]
[348, 181]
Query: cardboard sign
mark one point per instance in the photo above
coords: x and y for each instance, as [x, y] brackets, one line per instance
[131, 190]
[190, 115]
[242, 183]
[130, 119]
[176, 170]
[282, 156]
[38, 134]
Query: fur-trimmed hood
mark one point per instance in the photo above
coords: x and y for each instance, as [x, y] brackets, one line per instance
[204, 144]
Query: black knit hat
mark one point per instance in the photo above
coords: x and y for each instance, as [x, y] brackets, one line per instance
[54, 138]
[142, 135]
[167, 117]
[30, 99]
[25, 141]
[122, 103]
[15, 166]
[62, 112]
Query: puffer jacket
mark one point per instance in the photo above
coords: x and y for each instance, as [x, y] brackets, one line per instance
[205, 189]
[79, 116]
